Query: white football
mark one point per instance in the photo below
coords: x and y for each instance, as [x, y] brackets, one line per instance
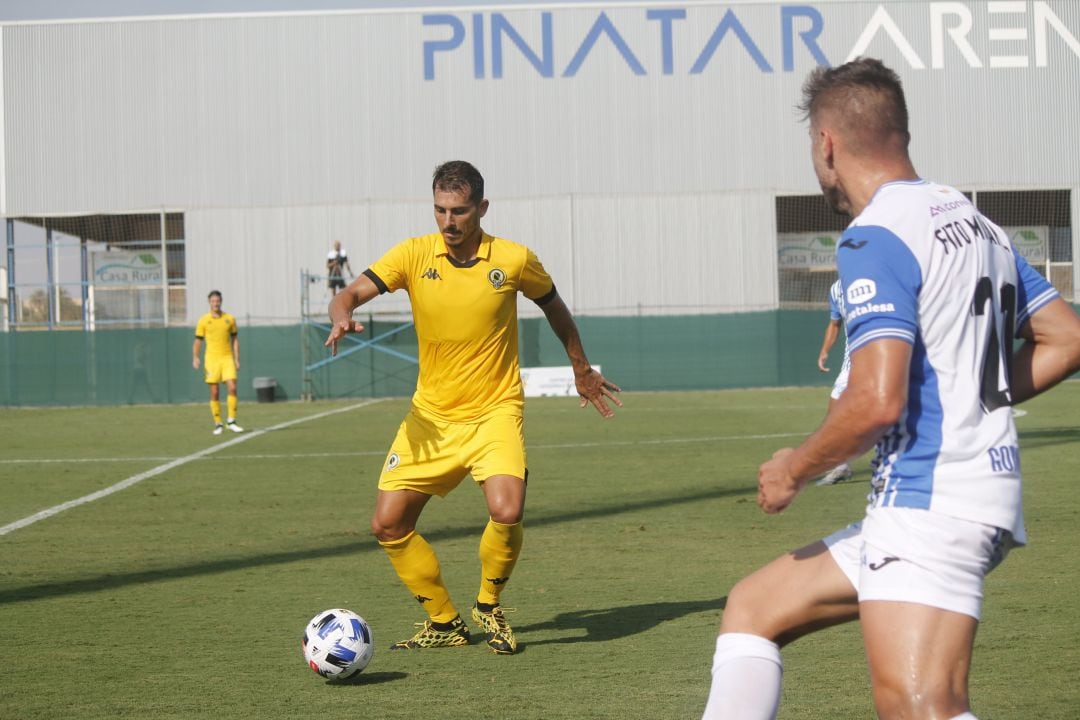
[337, 644]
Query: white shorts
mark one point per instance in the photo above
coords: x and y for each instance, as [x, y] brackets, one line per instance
[917, 556]
[840, 384]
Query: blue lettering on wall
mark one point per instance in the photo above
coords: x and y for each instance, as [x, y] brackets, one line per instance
[603, 25]
[667, 54]
[730, 22]
[478, 45]
[544, 63]
[433, 46]
[809, 37]
[802, 20]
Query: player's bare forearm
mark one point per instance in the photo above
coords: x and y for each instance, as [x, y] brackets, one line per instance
[1051, 353]
[591, 386]
[853, 426]
[783, 476]
[563, 325]
[358, 292]
[832, 331]
[341, 307]
[872, 403]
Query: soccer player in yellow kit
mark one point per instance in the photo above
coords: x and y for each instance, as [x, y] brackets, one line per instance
[222, 358]
[466, 414]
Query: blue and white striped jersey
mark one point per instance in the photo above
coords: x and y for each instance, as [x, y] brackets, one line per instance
[836, 312]
[922, 265]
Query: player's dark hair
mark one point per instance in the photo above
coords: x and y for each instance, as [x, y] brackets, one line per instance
[867, 97]
[213, 293]
[459, 176]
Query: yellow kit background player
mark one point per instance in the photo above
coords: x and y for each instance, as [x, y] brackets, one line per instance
[466, 414]
[222, 362]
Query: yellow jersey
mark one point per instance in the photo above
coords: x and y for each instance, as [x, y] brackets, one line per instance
[466, 321]
[218, 333]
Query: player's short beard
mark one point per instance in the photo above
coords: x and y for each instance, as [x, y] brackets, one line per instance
[836, 200]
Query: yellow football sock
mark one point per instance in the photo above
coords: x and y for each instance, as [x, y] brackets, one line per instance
[415, 562]
[500, 546]
[232, 401]
[215, 410]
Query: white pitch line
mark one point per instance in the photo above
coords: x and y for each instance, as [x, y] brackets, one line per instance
[369, 453]
[43, 461]
[124, 484]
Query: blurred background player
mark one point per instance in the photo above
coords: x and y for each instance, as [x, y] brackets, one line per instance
[218, 329]
[935, 295]
[466, 414]
[337, 262]
[832, 331]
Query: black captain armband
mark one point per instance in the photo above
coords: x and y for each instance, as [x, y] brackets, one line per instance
[546, 297]
[377, 280]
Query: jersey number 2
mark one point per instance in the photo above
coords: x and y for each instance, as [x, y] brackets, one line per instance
[998, 348]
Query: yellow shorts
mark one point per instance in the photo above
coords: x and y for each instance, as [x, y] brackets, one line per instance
[219, 369]
[433, 457]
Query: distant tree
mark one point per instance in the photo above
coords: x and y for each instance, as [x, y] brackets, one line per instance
[35, 308]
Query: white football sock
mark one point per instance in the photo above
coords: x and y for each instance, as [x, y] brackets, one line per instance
[966, 716]
[746, 676]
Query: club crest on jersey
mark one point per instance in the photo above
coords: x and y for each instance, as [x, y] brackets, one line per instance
[860, 291]
[497, 278]
[392, 462]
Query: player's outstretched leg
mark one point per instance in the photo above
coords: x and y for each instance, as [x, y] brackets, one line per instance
[746, 676]
[797, 593]
[418, 567]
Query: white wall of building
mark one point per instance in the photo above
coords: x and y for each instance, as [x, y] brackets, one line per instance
[638, 156]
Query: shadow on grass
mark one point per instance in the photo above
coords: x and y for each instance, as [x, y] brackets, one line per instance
[113, 581]
[613, 623]
[1047, 437]
[368, 679]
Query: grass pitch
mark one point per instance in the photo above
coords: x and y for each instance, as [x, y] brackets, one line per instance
[184, 594]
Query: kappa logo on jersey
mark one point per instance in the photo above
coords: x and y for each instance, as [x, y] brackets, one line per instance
[421, 599]
[860, 291]
[431, 274]
[392, 462]
[497, 278]
[853, 244]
